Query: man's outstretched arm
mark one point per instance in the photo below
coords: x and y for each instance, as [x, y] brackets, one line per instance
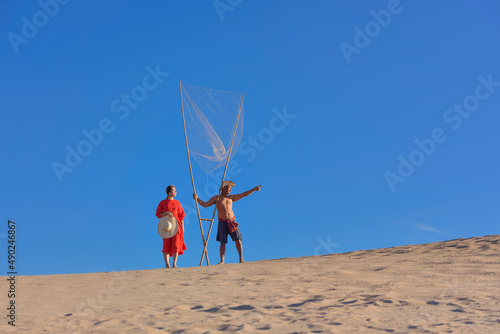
[237, 197]
[205, 204]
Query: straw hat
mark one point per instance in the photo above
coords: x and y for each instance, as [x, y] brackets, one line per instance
[167, 227]
[228, 183]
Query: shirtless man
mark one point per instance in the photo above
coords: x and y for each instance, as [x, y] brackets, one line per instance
[227, 221]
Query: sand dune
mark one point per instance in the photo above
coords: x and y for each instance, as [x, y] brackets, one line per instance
[444, 287]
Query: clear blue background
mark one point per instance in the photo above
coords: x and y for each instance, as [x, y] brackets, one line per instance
[323, 180]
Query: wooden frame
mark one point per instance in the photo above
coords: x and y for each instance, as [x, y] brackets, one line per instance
[205, 241]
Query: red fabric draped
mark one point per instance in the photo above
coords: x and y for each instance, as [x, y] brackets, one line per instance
[176, 243]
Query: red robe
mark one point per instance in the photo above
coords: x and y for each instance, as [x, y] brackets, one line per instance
[176, 243]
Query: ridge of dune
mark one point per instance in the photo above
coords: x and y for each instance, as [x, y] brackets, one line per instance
[449, 286]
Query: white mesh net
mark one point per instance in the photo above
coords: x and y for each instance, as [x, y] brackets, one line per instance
[211, 117]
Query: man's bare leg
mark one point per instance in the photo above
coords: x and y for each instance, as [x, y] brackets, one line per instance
[175, 256]
[239, 247]
[165, 257]
[222, 253]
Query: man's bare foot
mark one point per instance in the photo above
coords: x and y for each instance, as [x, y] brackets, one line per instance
[221, 262]
[242, 261]
[175, 266]
[167, 266]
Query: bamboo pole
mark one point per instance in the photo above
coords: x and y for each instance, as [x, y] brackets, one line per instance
[223, 176]
[192, 180]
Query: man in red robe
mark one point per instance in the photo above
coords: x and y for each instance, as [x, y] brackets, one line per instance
[174, 246]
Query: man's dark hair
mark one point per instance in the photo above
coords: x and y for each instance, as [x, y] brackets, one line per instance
[169, 189]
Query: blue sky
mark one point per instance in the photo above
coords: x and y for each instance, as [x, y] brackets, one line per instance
[369, 124]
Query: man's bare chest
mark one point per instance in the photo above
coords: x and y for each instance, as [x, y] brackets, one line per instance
[225, 202]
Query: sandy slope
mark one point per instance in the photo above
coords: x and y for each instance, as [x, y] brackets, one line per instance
[443, 287]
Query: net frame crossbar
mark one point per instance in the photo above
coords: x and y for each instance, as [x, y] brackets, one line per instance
[205, 241]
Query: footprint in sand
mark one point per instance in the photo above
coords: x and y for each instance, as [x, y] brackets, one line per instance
[433, 302]
[381, 329]
[265, 328]
[242, 308]
[213, 310]
[230, 328]
[349, 302]
[296, 305]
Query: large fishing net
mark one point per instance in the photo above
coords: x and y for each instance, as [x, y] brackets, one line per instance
[211, 117]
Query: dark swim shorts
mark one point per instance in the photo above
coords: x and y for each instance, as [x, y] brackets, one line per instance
[223, 231]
